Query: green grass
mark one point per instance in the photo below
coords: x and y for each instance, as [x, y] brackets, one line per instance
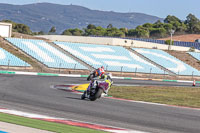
[44, 125]
[181, 96]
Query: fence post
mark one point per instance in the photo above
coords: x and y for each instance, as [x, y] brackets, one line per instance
[60, 66]
[150, 73]
[25, 65]
[135, 71]
[178, 74]
[8, 64]
[192, 75]
[164, 74]
[106, 67]
[121, 68]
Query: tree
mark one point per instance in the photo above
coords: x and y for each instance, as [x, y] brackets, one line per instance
[124, 30]
[77, 32]
[191, 19]
[67, 32]
[147, 25]
[171, 19]
[177, 24]
[193, 24]
[97, 31]
[142, 32]
[158, 25]
[158, 32]
[109, 26]
[114, 32]
[119, 33]
[196, 28]
[41, 33]
[179, 27]
[168, 27]
[52, 30]
[132, 33]
[21, 28]
[110, 31]
[38, 33]
[158, 22]
[74, 32]
[91, 26]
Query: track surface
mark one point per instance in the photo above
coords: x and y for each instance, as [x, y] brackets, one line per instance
[33, 94]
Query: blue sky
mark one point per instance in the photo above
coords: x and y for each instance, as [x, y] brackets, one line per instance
[160, 8]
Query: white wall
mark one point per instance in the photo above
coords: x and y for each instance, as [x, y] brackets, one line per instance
[78, 39]
[113, 41]
[5, 29]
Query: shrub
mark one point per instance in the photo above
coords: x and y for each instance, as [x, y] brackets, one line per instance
[168, 42]
[192, 49]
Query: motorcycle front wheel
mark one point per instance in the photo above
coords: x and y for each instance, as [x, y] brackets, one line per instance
[83, 95]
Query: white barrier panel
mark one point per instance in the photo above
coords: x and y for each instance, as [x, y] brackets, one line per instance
[5, 29]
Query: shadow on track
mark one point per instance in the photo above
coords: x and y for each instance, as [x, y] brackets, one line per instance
[74, 98]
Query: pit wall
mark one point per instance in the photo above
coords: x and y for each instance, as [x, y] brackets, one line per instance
[113, 41]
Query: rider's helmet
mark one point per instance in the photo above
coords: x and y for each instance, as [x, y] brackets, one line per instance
[102, 67]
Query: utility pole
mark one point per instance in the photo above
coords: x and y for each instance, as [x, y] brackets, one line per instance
[171, 33]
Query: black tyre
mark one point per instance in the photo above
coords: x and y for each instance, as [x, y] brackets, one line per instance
[97, 95]
[83, 95]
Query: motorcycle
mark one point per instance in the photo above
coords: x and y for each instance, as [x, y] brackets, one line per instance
[96, 90]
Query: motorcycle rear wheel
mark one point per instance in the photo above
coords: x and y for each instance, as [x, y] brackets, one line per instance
[97, 95]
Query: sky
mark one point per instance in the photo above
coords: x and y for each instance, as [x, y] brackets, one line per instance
[159, 8]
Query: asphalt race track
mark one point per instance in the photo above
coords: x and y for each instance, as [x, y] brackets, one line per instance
[33, 94]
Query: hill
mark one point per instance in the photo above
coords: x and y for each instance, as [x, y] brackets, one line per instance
[42, 16]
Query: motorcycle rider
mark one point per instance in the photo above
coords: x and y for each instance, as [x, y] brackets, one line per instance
[93, 83]
[96, 73]
[100, 71]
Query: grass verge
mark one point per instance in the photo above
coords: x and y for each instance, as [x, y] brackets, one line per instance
[180, 96]
[44, 125]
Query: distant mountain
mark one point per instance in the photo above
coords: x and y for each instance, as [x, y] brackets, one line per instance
[42, 16]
